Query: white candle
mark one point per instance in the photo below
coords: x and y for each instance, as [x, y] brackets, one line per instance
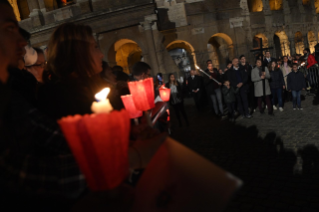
[103, 105]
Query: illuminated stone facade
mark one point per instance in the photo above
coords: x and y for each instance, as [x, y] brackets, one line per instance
[129, 31]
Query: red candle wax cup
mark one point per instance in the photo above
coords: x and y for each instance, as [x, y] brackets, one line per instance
[143, 94]
[165, 93]
[130, 107]
[99, 144]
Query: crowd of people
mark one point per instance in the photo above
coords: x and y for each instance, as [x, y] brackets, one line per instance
[38, 87]
[242, 87]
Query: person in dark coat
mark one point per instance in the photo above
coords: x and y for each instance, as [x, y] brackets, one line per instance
[296, 82]
[194, 83]
[268, 59]
[238, 78]
[277, 84]
[213, 89]
[176, 99]
[248, 68]
[230, 99]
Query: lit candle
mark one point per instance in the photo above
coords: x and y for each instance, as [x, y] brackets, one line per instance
[102, 105]
[165, 93]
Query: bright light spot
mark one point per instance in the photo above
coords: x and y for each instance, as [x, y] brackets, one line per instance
[102, 94]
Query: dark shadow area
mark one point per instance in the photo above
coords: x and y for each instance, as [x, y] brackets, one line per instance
[275, 178]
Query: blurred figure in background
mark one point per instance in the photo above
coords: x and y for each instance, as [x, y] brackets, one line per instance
[195, 87]
[176, 99]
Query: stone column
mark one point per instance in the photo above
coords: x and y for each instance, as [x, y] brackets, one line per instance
[35, 13]
[42, 6]
[148, 31]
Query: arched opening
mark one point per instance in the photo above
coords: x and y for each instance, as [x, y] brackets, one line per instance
[282, 44]
[275, 4]
[183, 55]
[256, 41]
[23, 9]
[221, 49]
[125, 53]
[305, 2]
[299, 43]
[64, 3]
[312, 41]
[51, 5]
[255, 5]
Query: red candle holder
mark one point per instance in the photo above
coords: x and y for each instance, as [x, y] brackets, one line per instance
[165, 93]
[130, 107]
[143, 94]
[99, 143]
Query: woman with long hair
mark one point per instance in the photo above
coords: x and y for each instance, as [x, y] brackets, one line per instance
[277, 84]
[176, 99]
[75, 61]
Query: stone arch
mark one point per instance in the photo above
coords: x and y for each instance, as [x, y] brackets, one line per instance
[312, 41]
[183, 55]
[306, 2]
[255, 5]
[276, 4]
[221, 49]
[125, 53]
[256, 41]
[299, 43]
[283, 44]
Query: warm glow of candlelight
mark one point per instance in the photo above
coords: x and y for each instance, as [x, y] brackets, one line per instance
[102, 94]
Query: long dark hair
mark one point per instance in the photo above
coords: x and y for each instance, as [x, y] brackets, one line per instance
[270, 65]
[169, 79]
[69, 52]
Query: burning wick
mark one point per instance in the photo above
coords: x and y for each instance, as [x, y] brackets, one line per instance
[102, 104]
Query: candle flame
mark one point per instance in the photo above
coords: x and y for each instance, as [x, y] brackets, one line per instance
[102, 94]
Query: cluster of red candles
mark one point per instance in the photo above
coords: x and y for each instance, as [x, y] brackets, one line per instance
[101, 151]
[142, 97]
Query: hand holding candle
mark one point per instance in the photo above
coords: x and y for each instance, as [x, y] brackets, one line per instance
[103, 104]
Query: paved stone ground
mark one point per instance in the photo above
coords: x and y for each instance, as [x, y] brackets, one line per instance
[276, 157]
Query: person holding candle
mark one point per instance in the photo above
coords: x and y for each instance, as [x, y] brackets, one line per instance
[176, 99]
[213, 89]
[75, 62]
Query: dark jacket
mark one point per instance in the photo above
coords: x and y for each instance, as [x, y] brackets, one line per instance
[69, 97]
[232, 76]
[194, 84]
[296, 81]
[266, 63]
[211, 85]
[25, 84]
[277, 79]
[229, 94]
[248, 68]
